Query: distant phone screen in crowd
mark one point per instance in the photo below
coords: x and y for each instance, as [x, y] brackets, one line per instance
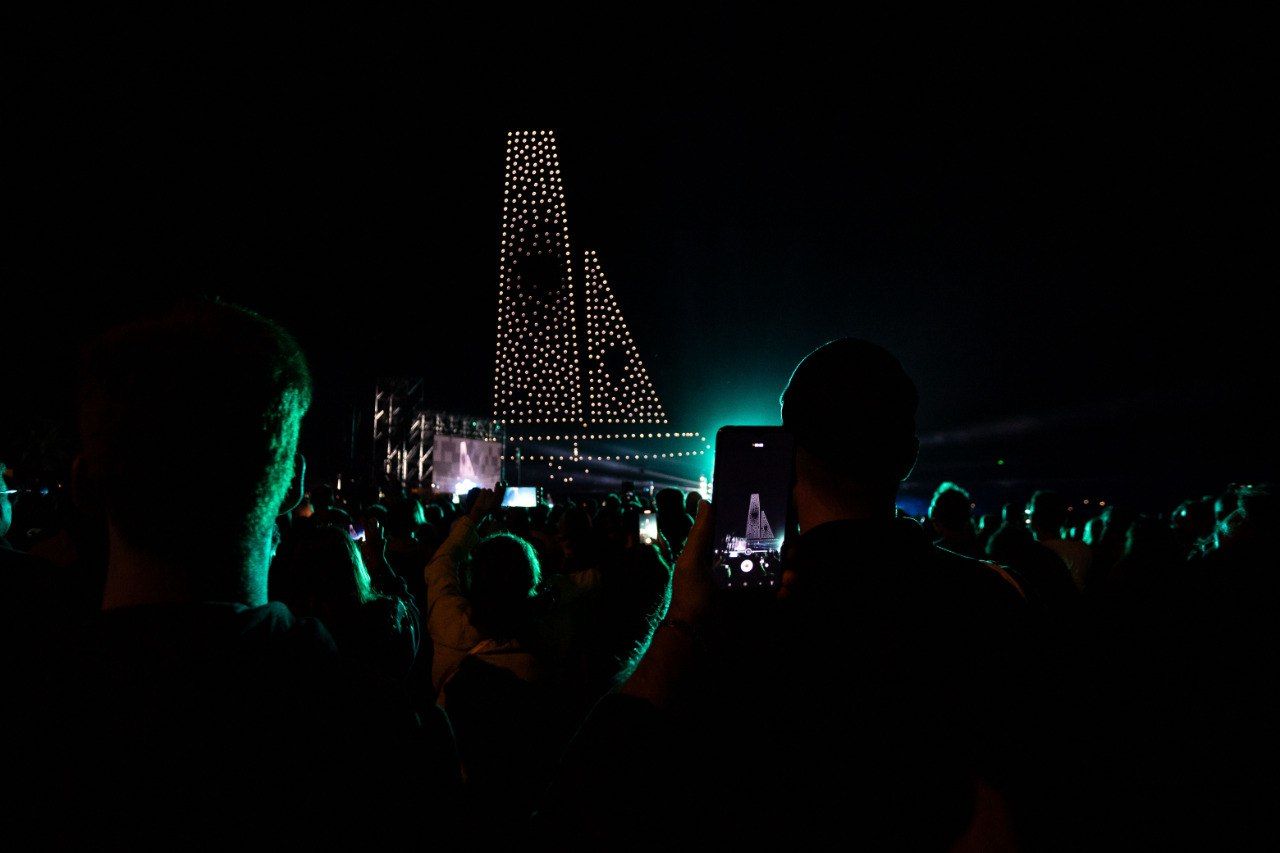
[753, 477]
[648, 527]
[356, 531]
[520, 496]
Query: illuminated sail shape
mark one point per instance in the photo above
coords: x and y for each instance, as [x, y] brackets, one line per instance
[537, 374]
[758, 528]
[619, 390]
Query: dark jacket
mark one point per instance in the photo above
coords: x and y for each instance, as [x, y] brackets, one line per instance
[216, 725]
[865, 706]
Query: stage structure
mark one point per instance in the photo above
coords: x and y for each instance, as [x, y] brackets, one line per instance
[569, 385]
[425, 450]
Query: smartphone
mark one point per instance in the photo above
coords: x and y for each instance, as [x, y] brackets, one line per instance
[356, 531]
[754, 472]
[520, 496]
[648, 527]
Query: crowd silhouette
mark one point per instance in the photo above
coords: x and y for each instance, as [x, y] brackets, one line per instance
[271, 662]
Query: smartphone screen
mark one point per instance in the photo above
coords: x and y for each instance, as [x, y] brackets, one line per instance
[356, 531]
[526, 496]
[752, 495]
[648, 527]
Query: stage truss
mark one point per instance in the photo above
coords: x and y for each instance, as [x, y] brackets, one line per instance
[404, 433]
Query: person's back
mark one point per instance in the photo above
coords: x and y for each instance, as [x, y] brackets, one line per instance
[1048, 515]
[324, 576]
[1045, 578]
[171, 718]
[868, 703]
[888, 661]
[190, 711]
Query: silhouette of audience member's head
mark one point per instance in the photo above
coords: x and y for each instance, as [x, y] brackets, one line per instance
[691, 502]
[325, 575]
[1048, 515]
[209, 376]
[322, 497]
[950, 511]
[1093, 530]
[404, 517]
[852, 409]
[574, 535]
[1149, 539]
[501, 578]
[669, 501]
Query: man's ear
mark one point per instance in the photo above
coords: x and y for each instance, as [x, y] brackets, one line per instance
[297, 486]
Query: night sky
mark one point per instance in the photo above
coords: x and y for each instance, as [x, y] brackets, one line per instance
[1058, 226]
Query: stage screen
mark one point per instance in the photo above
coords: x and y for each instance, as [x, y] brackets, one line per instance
[461, 464]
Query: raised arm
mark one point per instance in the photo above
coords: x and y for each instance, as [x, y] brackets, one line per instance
[674, 643]
[447, 609]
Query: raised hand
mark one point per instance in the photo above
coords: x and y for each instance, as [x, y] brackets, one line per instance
[691, 587]
[485, 502]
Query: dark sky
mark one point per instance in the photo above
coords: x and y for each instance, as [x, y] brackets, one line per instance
[1057, 224]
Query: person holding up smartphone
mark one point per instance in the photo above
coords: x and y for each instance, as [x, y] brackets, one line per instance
[861, 699]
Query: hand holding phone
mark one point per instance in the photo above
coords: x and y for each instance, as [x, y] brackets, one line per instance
[691, 585]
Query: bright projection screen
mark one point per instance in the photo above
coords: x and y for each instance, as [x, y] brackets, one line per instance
[461, 464]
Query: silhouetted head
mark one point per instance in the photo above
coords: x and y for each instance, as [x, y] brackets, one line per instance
[1048, 515]
[323, 497]
[949, 510]
[516, 519]
[404, 517]
[670, 501]
[1093, 530]
[691, 502]
[323, 575]
[852, 411]
[208, 398]
[573, 529]
[502, 577]
[1150, 538]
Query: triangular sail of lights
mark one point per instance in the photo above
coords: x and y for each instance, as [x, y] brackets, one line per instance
[619, 388]
[537, 376]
